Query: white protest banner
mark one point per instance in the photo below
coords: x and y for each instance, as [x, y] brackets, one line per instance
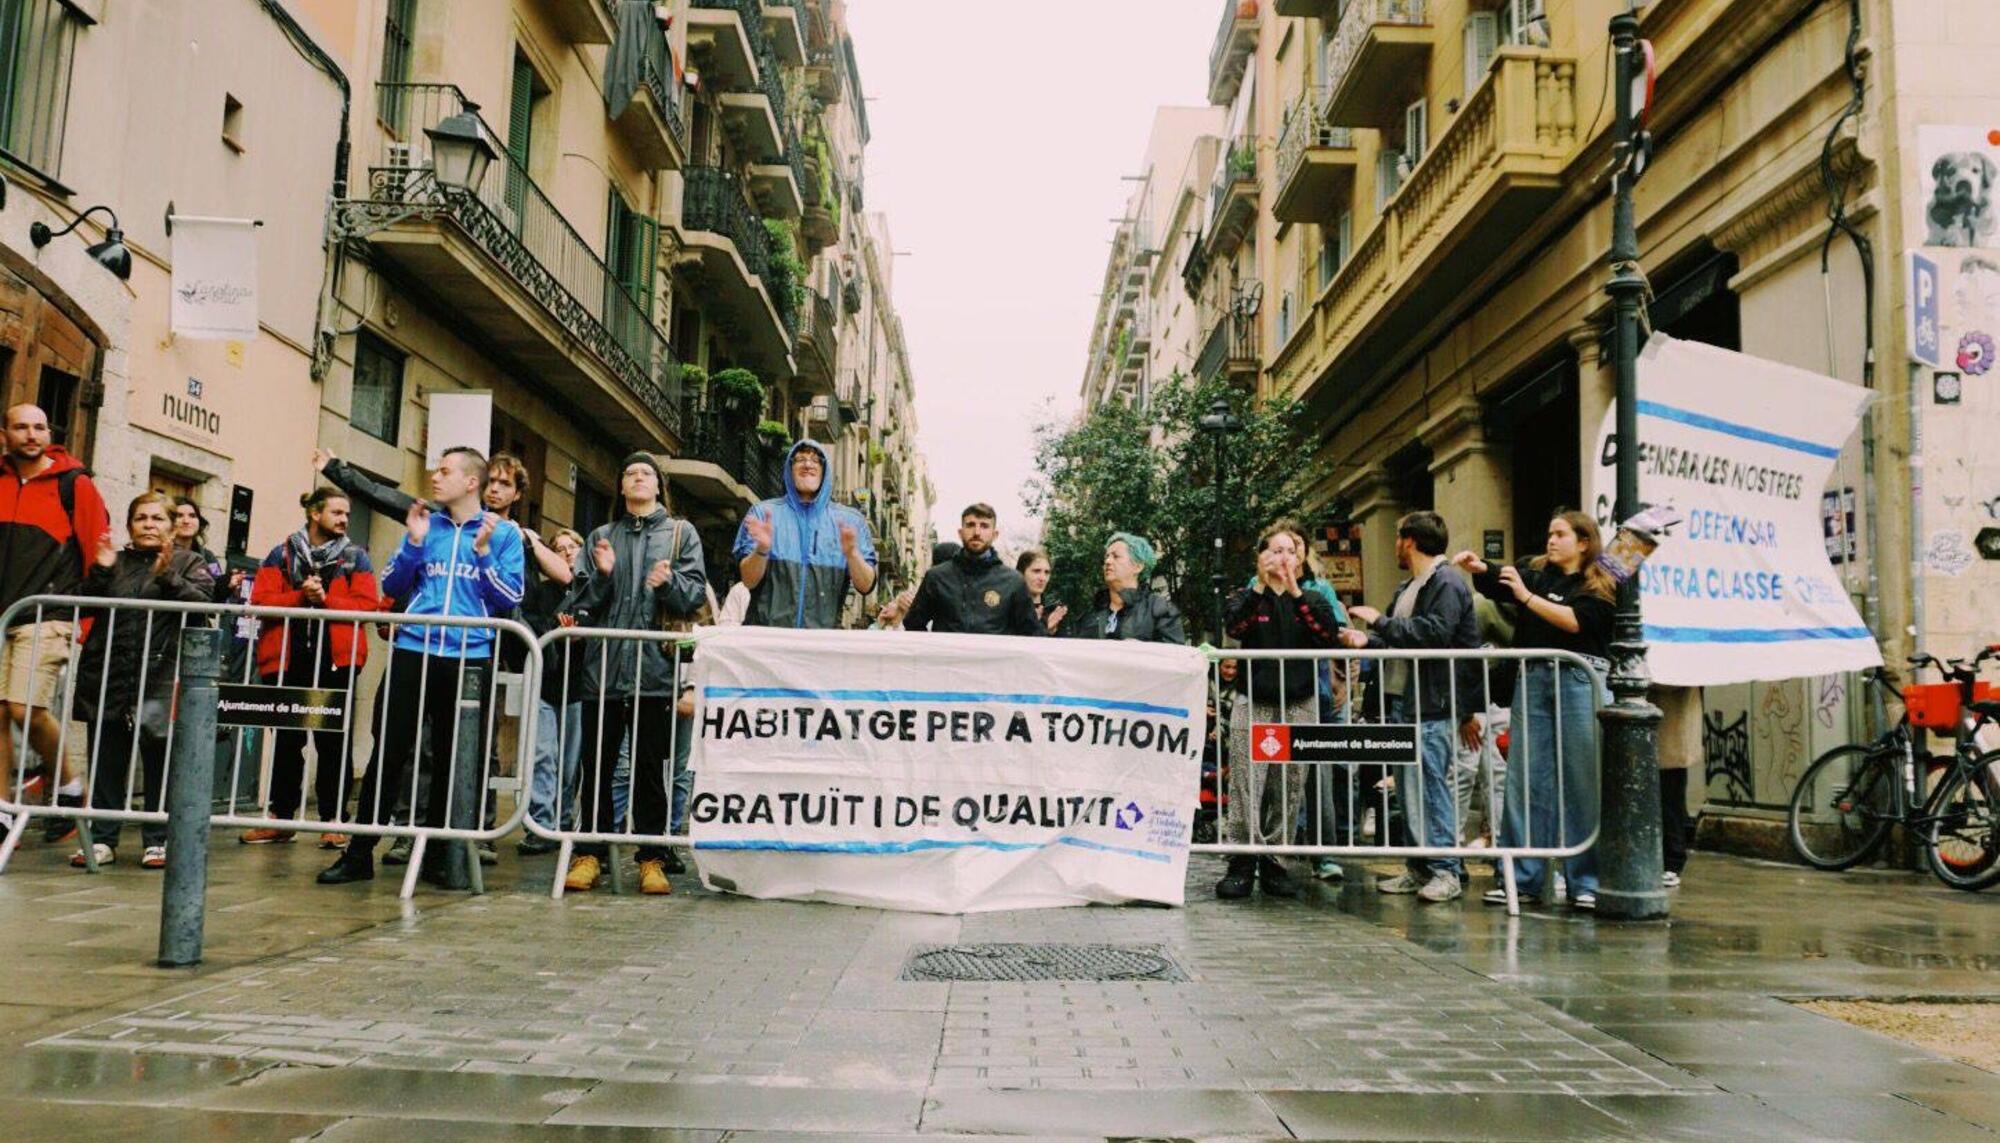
[945, 773]
[1742, 448]
[215, 278]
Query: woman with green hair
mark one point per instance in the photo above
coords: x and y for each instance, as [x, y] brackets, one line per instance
[1125, 609]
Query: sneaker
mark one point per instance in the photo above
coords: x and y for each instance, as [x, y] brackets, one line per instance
[399, 853]
[1327, 869]
[1495, 896]
[653, 879]
[105, 856]
[266, 836]
[1670, 880]
[1236, 883]
[334, 840]
[583, 873]
[59, 830]
[352, 866]
[1277, 881]
[155, 857]
[534, 845]
[1441, 887]
[1401, 884]
[673, 862]
[1584, 901]
[488, 853]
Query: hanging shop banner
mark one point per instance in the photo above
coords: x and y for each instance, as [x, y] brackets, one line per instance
[1742, 448]
[215, 278]
[945, 773]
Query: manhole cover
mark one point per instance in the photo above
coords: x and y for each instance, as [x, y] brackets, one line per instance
[1041, 962]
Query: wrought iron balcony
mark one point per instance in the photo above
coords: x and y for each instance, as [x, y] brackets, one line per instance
[658, 133]
[1232, 197]
[714, 201]
[819, 345]
[729, 47]
[735, 448]
[1232, 346]
[784, 26]
[1315, 165]
[1235, 43]
[502, 259]
[1378, 44]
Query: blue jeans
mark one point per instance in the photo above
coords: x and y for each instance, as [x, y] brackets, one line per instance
[1439, 811]
[556, 740]
[1551, 797]
[683, 783]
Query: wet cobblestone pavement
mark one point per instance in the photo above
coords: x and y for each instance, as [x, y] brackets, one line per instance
[336, 1013]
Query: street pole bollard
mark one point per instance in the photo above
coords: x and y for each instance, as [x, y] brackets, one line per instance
[461, 859]
[190, 786]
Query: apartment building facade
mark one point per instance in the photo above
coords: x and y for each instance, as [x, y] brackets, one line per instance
[120, 117]
[1408, 225]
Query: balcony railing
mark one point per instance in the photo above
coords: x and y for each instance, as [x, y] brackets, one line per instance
[1229, 57]
[1232, 344]
[1304, 129]
[751, 13]
[509, 217]
[1235, 169]
[735, 448]
[1357, 19]
[656, 70]
[714, 201]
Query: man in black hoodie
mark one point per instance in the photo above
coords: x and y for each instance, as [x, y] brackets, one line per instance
[974, 592]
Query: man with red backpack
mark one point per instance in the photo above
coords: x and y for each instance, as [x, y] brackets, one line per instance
[51, 519]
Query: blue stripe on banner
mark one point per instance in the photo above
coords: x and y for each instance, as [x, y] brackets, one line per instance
[1739, 635]
[943, 696]
[1731, 428]
[875, 848]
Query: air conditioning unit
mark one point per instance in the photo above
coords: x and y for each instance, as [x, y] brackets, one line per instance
[399, 172]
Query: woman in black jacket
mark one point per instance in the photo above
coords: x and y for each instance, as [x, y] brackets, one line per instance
[1276, 613]
[1035, 570]
[1124, 609]
[1566, 603]
[125, 679]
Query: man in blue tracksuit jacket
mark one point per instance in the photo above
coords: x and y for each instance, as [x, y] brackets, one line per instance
[456, 560]
[798, 553]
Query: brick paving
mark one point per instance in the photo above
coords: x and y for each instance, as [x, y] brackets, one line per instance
[703, 989]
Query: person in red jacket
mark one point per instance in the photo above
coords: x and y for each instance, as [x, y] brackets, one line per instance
[51, 520]
[316, 566]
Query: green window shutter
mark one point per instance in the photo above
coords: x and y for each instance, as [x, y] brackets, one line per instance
[520, 132]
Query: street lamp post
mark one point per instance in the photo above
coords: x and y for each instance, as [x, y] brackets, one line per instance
[1628, 838]
[1219, 423]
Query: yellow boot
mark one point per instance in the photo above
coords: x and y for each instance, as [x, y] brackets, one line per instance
[653, 878]
[583, 873]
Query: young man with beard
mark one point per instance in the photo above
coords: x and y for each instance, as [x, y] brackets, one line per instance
[974, 591]
[51, 519]
[800, 552]
[634, 572]
[316, 566]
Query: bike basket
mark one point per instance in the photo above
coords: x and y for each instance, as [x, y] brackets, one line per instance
[1933, 706]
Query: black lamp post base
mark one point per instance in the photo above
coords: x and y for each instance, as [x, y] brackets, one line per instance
[1629, 859]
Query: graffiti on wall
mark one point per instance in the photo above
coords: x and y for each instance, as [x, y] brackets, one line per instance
[1726, 747]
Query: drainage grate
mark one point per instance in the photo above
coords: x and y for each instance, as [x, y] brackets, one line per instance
[1042, 962]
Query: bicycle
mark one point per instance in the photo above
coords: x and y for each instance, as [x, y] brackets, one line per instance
[1869, 789]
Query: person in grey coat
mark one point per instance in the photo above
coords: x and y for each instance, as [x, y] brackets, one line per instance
[634, 573]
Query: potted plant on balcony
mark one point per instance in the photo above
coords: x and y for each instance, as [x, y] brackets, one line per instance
[774, 435]
[738, 393]
[694, 383]
[786, 275]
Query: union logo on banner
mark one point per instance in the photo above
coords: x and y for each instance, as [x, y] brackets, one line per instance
[1271, 742]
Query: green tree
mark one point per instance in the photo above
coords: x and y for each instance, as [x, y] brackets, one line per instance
[1152, 472]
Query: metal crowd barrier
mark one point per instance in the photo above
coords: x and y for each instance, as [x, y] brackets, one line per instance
[151, 734]
[600, 739]
[1352, 783]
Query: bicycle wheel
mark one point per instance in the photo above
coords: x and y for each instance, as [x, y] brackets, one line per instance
[1843, 807]
[1962, 827]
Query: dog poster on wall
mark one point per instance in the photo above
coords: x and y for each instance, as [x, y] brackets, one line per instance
[1959, 168]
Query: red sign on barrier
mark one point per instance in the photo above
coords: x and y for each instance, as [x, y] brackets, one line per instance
[1348, 742]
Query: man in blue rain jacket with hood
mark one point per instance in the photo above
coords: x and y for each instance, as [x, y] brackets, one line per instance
[798, 553]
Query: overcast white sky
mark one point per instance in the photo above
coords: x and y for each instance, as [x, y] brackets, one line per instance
[1001, 133]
